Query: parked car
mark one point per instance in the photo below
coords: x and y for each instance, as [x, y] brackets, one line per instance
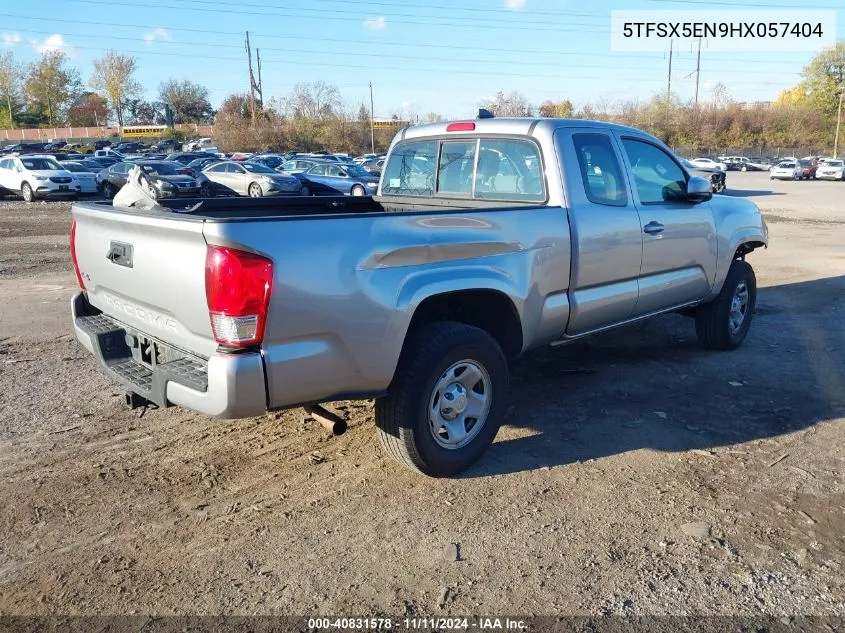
[332, 179]
[716, 176]
[55, 146]
[422, 294]
[708, 163]
[831, 169]
[163, 178]
[167, 146]
[24, 148]
[186, 157]
[298, 165]
[373, 166]
[129, 147]
[271, 161]
[247, 179]
[35, 176]
[196, 166]
[108, 161]
[757, 163]
[786, 170]
[809, 166]
[83, 173]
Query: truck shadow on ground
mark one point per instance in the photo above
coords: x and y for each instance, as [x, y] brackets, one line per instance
[652, 386]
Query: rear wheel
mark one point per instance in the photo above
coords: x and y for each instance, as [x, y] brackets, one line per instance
[447, 399]
[206, 191]
[724, 322]
[27, 193]
[109, 190]
[357, 190]
[745, 168]
[255, 190]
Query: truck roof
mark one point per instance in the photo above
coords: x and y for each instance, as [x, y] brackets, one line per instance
[523, 126]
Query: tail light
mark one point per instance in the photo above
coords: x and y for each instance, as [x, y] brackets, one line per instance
[237, 289]
[461, 126]
[73, 255]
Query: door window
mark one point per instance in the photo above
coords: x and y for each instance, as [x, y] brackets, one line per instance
[600, 171]
[317, 170]
[336, 171]
[657, 176]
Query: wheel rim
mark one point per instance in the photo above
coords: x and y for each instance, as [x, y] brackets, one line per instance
[357, 191]
[27, 193]
[739, 307]
[254, 191]
[205, 191]
[460, 404]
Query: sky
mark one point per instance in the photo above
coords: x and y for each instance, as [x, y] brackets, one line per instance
[443, 56]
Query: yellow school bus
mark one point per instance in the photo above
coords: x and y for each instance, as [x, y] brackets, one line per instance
[136, 131]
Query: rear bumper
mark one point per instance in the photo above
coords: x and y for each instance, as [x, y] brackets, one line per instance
[224, 386]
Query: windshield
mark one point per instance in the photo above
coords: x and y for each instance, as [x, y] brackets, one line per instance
[75, 167]
[805, 163]
[787, 165]
[40, 164]
[258, 168]
[834, 163]
[159, 169]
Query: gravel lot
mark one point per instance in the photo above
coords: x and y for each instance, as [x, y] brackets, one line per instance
[638, 474]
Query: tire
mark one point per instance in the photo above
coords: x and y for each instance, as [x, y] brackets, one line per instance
[27, 193]
[404, 416]
[206, 191]
[254, 190]
[716, 322]
[358, 191]
[152, 191]
[744, 168]
[109, 190]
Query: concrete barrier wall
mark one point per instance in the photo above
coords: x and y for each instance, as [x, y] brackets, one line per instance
[65, 133]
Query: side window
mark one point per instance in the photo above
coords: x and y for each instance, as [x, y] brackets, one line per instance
[336, 171]
[657, 176]
[509, 169]
[122, 168]
[410, 169]
[4, 164]
[457, 164]
[232, 168]
[317, 170]
[600, 171]
[217, 169]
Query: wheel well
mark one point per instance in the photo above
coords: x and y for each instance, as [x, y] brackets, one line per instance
[746, 248]
[489, 310]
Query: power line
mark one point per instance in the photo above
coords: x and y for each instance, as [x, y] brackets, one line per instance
[337, 40]
[742, 4]
[135, 5]
[426, 58]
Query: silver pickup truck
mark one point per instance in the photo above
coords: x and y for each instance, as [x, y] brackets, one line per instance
[487, 238]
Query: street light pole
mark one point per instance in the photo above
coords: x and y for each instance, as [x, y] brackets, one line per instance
[372, 122]
[838, 123]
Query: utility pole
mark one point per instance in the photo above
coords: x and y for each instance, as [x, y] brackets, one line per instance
[251, 79]
[697, 71]
[838, 122]
[669, 83]
[260, 83]
[372, 121]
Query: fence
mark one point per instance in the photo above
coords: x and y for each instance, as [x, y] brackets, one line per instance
[66, 133]
[768, 152]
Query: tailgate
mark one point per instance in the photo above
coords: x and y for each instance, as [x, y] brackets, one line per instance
[146, 271]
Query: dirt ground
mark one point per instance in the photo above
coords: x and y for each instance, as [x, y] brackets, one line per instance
[638, 473]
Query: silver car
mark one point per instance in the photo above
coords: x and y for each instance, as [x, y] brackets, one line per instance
[247, 179]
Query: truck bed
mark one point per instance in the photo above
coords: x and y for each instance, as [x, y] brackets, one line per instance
[233, 209]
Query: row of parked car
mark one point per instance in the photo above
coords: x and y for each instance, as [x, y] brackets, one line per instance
[792, 168]
[187, 174]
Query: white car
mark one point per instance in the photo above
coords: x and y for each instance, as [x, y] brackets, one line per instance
[709, 163]
[831, 169]
[786, 170]
[86, 177]
[34, 176]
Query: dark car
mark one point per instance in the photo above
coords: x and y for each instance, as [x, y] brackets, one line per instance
[335, 178]
[167, 145]
[196, 166]
[374, 166]
[162, 176]
[24, 148]
[809, 166]
[273, 162]
[129, 147]
[187, 157]
[55, 146]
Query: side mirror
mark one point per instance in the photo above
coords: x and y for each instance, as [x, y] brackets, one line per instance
[698, 190]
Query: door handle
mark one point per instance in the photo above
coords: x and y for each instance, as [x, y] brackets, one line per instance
[653, 228]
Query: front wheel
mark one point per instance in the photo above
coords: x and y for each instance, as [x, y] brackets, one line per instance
[255, 190]
[744, 168]
[724, 322]
[447, 399]
[357, 191]
[206, 191]
[109, 190]
[27, 193]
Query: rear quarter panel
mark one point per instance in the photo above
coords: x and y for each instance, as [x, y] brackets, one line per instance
[345, 289]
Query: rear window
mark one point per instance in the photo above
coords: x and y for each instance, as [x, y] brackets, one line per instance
[484, 169]
[410, 171]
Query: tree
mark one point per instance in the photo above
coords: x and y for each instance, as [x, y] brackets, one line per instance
[11, 84]
[234, 106]
[113, 78]
[557, 109]
[793, 97]
[317, 100]
[363, 113]
[433, 117]
[52, 86]
[510, 104]
[188, 100]
[824, 78]
[141, 112]
[88, 110]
